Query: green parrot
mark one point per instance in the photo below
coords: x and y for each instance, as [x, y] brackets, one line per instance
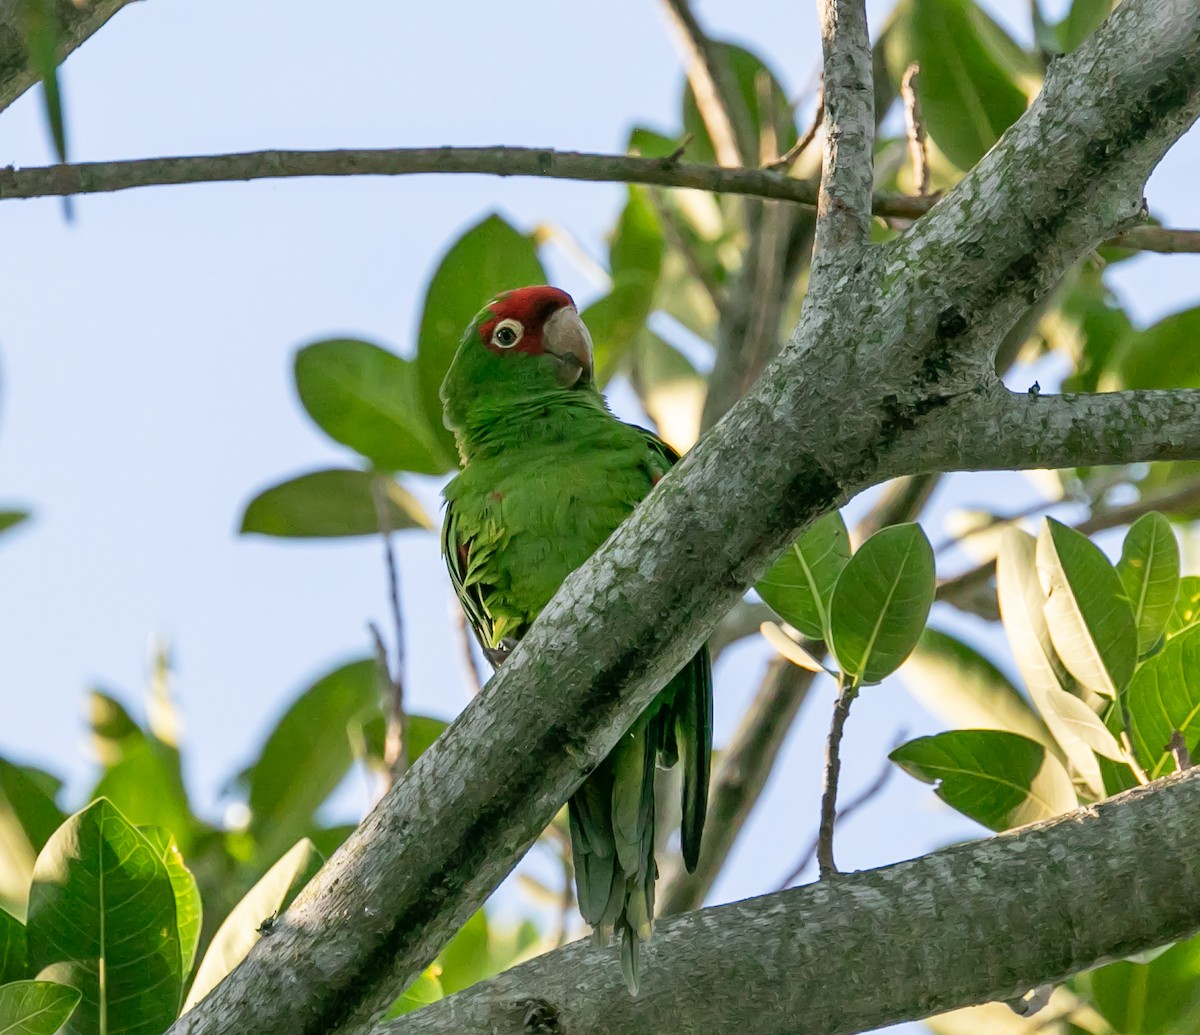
[547, 474]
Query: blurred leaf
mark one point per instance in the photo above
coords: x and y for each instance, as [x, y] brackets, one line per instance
[1186, 613]
[114, 731]
[425, 990]
[789, 648]
[968, 89]
[28, 818]
[799, 585]
[1163, 355]
[466, 959]
[36, 1007]
[957, 683]
[649, 143]
[1084, 18]
[1022, 609]
[12, 518]
[328, 504]
[1091, 326]
[638, 246]
[188, 912]
[1149, 571]
[311, 739]
[1163, 697]
[263, 903]
[999, 779]
[102, 919]
[1156, 998]
[615, 322]
[881, 602]
[327, 840]
[670, 389]
[14, 949]
[147, 787]
[423, 730]
[1091, 623]
[747, 69]
[489, 258]
[367, 398]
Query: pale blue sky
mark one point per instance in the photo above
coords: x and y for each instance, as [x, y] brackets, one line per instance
[145, 352]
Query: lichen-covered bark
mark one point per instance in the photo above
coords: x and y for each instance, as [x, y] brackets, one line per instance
[979, 921]
[886, 348]
[78, 22]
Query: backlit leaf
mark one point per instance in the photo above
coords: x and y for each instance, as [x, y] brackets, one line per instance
[1149, 571]
[1163, 697]
[36, 1007]
[799, 585]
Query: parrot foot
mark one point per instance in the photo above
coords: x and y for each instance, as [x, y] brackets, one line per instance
[498, 655]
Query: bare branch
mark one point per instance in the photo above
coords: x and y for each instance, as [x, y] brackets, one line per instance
[1159, 239]
[79, 21]
[395, 745]
[871, 949]
[788, 158]
[918, 147]
[715, 88]
[833, 767]
[844, 208]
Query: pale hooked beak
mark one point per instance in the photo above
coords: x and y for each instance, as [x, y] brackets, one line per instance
[566, 339]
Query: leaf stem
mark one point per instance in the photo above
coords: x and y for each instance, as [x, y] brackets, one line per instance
[847, 692]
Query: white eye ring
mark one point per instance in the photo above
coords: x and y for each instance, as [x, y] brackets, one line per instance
[508, 333]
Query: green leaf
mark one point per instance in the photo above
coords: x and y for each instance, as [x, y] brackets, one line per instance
[423, 730]
[1090, 327]
[243, 927]
[12, 518]
[188, 910]
[1164, 697]
[961, 686]
[1186, 613]
[368, 399]
[467, 958]
[28, 818]
[312, 738]
[1155, 998]
[1084, 18]
[102, 919]
[1022, 608]
[1163, 355]
[36, 1007]
[1149, 571]
[330, 504]
[638, 245]
[615, 321]
[799, 585]
[1091, 623]
[968, 86]
[14, 949]
[489, 258]
[881, 602]
[425, 990]
[999, 779]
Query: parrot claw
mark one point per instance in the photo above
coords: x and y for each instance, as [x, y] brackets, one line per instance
[498, 655]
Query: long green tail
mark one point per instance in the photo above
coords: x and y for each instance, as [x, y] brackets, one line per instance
[612, 814]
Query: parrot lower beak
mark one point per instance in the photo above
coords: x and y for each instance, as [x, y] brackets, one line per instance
[566, 339]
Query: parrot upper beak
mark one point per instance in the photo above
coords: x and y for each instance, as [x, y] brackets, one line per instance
[566, 339]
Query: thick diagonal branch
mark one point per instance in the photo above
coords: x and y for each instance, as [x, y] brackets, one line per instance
[868, 372]
[875, 948]
[78, 22]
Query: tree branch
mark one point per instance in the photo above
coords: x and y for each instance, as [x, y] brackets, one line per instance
[844, 206]
[78, 21]
[875, 948]
[910, 339]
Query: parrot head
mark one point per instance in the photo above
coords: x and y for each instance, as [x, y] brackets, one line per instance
[523, 345]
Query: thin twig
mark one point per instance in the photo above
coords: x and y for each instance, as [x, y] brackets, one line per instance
[833, 768]
[789, 157]
[844, 209]
[1177, 745]
[715, 88]
[466, 639]
[918, 147]
[869, 793]
[395, 746]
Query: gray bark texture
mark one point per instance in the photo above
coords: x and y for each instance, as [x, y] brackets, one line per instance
[894, 353]
[78, 22]
[979, 921]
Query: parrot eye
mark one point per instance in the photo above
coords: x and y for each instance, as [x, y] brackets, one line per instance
[507, 333]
